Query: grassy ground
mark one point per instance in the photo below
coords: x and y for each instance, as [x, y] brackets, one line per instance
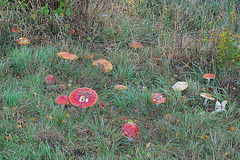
[33, 126]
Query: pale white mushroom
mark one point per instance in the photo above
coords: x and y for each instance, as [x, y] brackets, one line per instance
[180, 86]
[220, 107]
[207, 97]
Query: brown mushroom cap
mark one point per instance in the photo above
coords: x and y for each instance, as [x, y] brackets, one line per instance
[207, 96]
[208, 76]
[67, 56]
[180, 86]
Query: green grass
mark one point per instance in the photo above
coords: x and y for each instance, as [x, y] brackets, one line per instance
[40, 129]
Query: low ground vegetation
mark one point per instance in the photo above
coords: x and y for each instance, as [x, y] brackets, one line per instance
[151, 46]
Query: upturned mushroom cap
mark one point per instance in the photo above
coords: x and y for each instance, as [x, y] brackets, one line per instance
[180, 86]
[207, 96]
[67, 56]
[83, 97]
[130, 130]
[23, 40]
[157, 98]
[120, 87]
[62, 100]
[106, 65]
[49, 79]
[208, 76]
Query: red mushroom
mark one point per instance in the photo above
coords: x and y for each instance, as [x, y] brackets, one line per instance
[49, 79]
[62, 100]
[130, 130]
[157, 98]
[83, 97]
[208, 76]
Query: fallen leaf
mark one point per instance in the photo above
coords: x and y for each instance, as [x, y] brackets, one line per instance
[8, 136]
[67, 114]
[148, 145]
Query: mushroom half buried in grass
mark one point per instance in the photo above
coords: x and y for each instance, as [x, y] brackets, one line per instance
[49, 79]
[62, 100]
[83, 97]
[208, 76]
[157, 98]
[207, 97]
[136, 45]
[106, 65]
[120, 87]
[180, 86]
[130, 130]
[67, 56]
[23, 40]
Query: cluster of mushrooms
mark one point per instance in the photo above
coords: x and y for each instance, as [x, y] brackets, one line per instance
[86, 97]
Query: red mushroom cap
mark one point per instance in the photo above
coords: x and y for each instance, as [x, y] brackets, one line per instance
[209, 76]
[49, 79]
[157, 98]
[130, 130]
[83, 97]
[62, 100]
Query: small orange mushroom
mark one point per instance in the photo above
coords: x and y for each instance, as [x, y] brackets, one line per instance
[136, 45]
[208, 76]
[67, 56]
[89, 56]
[23, 40]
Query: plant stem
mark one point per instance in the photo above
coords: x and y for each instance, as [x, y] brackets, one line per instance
[205, 102]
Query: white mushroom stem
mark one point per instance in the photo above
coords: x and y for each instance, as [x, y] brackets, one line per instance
[205, 102]
[208, 81]
[130, 139]
[62, 106]
[83, 110]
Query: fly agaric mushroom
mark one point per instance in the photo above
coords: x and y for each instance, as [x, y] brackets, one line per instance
[120, 87]
[208, 76]
[23, 40]
[106, 65]
[67, 56]
[130, 130]
[157, 98]
[49, 79]
[136, 45]
[220, 107]
[83, 97]
[15, 29]
[62, 100]
[180, 86]
[206, 96]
